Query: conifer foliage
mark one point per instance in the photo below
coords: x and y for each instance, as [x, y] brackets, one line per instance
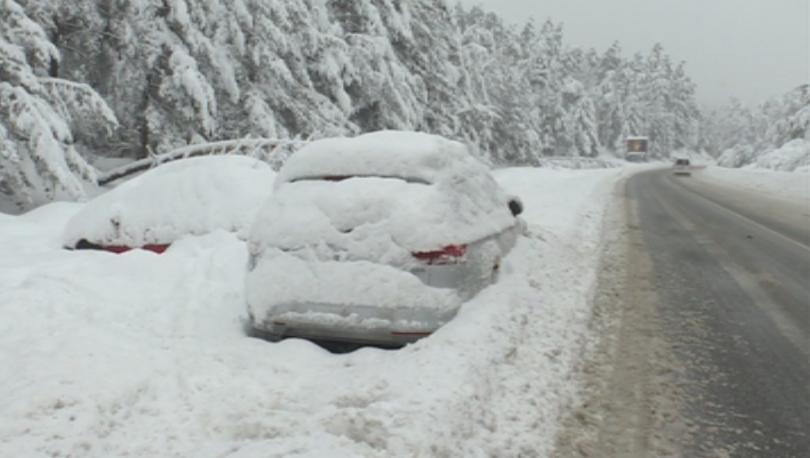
[775, 134]
[130, 78]
[42, 119]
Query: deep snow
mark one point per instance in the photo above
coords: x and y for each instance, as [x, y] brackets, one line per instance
[144, 355]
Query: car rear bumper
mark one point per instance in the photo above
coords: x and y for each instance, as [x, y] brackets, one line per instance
[349, 323]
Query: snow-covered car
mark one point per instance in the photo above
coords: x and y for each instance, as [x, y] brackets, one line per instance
[376, 239]
[186, 197]
[682, 167]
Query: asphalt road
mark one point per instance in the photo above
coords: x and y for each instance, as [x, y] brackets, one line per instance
[731, 278]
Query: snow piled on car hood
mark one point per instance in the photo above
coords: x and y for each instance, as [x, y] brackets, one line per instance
[144, 355]
[186, 197]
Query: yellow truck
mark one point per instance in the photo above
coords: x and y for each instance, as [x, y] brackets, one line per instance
[636, 149]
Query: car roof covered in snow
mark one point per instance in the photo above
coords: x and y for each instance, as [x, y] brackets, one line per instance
[396, 192]
[411, 155]
[188, 196]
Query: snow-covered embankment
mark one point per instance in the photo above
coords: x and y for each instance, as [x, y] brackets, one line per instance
[788, 186]
[144, 355]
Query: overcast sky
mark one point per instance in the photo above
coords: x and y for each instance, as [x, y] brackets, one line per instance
[750, 49]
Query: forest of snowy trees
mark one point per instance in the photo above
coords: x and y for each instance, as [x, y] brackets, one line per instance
[81, 79]
[773, 135]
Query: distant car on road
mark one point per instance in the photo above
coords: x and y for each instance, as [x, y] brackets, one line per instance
[376, 239]
[682, 167]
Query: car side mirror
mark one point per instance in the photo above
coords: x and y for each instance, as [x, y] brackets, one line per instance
[515, 206]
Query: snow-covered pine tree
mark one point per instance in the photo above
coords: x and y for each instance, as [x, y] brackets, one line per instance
[580, 120]
[179, 72]
[742, 135]
[792, 117]
[39, 161]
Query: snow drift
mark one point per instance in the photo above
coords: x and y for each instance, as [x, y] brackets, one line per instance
[792, 156]
[143, 356]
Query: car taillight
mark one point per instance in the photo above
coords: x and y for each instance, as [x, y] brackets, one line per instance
[451, 254]
[158, 248]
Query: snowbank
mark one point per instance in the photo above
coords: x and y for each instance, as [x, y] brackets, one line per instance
[190, 196]
[788, 186]
[792, 156]
[144, 355]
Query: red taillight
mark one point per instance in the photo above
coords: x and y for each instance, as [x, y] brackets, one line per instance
[158, 248]
[451, 254]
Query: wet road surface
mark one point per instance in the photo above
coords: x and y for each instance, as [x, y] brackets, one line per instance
[731, 273]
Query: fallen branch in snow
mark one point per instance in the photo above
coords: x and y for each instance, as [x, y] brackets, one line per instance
[261, 148]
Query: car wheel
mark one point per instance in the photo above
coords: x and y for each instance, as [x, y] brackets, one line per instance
[256, 333]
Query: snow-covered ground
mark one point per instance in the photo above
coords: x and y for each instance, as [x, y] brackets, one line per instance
[792, 156]
[789, 186]
[144, 355]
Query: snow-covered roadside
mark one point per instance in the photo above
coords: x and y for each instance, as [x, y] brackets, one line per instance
[143, 355]
[790, 186]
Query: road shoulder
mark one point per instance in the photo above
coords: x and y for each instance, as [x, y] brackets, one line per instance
[630, 401]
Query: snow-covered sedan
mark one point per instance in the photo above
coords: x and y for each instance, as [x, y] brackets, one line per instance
[376, 239]
[184, 198]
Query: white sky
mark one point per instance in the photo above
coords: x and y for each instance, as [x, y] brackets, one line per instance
[750, 49]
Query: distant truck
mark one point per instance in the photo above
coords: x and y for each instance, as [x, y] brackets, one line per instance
[636, 149]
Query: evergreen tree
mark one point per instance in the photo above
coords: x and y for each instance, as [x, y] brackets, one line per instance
[39, 153]
[180, 72]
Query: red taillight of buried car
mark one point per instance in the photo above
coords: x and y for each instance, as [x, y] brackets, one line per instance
[118, 249]
[451, 254]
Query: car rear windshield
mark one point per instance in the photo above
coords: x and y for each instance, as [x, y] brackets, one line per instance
[346, 177]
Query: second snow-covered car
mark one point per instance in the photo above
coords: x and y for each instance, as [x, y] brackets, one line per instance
[376, 239]
[188, 197]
